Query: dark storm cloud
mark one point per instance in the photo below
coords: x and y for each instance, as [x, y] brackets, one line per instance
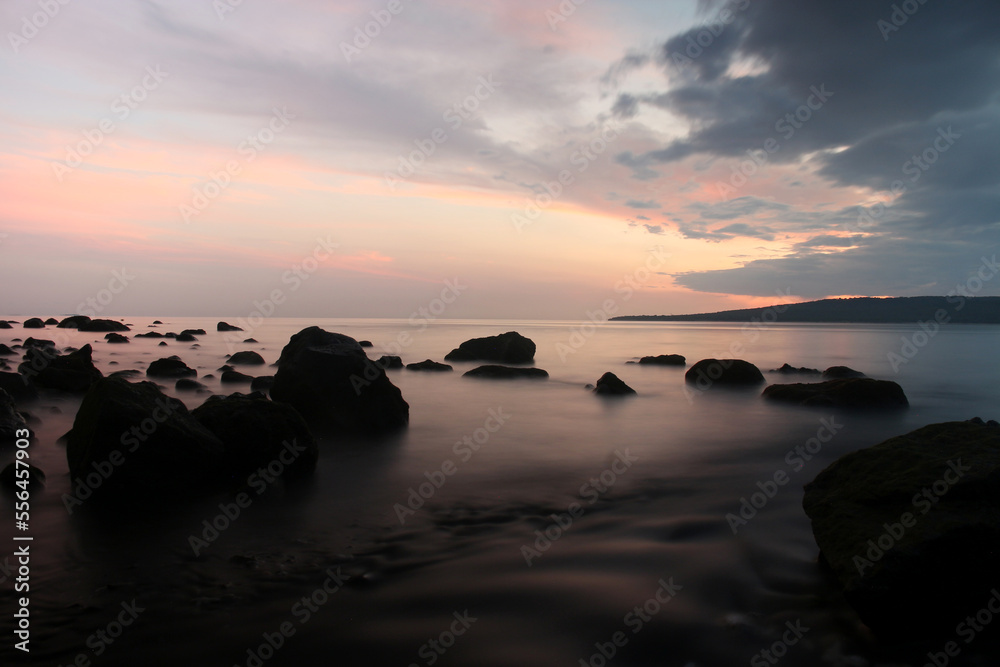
[911, 111]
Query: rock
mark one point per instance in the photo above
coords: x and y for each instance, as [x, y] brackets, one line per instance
[6, 351]
[390, 362]
[664, 360]
[150, 334]
[193, 332]
[507, 348]
[175, 457]
[185, 338]
[18, 387]
[365, 343]
[11, 475]
[909, 527]
[116, 338]
[610, 384]
[249, 358]
[258, 433]
[38, 343]
[73, 322]
[234, 377]
[34, 323]
[171, 367]
[328, 378]
[128, 373]
[74, 372]
[860, 393]
[103, 325]
[162, 344]
[4, 324]
[428, 365]
[788, 368]
[11, 421]
[225, 326]
[262, 383]
[187, 384]
[157, 322]
[723, 372]
[51, 321]
[506, 372]
[250, 340]
[837, 372]
[225, 367]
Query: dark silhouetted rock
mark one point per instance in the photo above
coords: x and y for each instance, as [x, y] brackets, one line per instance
[390, 362]
[187, 384]
[723, 372]
[225, 326]
[328, 378]
[664, 360]
[18, 386]
[262, 383]
[38, 343]
[194, 332]
[102, 326]
[258, 433]
[225, 367]
[155, 449]
[507, 348]
[365, 343]
[157, 322]
[428, 365]
[34, 323]
[506, 372]
[6, 351]
[74, 372]
[859, 393]
[250, 340]
[4, 324]
[10, 419]
[73, 322]
[610, 384]
[149, 334]
[51, 321]
[171, 367]
[909, 528]
[163, 343]
[235, 377]
[248, 358]
[116, 338]
[789, 369]
[185, 338]
[839, 372]
[33, 481]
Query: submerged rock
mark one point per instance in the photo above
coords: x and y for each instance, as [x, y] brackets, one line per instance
[74, 372]
[723, 372]
[428, 365]
[34, 323]
[328, 378]
[187, 384]
[248, 357]
[73, 322]
[234, 377]
[390, 362]
[365, 343]
[149, 334]
[171, 367]
[506, 348]
[663, 360]
[51, 321]
[838, 372]
[226, 326]
[789, 369]
[909, 527]
[262, 383]
[258, 433]
[861, 393]
[185, 337]
[610, 384]
[506, 372]
[116, 338]
[144, 445]
[6, 351]
[103, 325]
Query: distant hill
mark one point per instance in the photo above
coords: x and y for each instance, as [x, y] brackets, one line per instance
[894, 310]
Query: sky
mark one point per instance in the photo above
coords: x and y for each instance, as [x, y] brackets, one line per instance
[525, 158]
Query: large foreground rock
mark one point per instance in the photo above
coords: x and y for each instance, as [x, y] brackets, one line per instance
[859, 393]
[11, 420]
[18, 387]
[507, 348]
[723, 372]
[258, 433]
[147, 444]
[330, 380]
[74, 372]
[911, 527]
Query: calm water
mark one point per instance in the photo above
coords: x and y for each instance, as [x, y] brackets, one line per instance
[636, 531]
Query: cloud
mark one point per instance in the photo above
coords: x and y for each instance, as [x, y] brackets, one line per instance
[649, 203]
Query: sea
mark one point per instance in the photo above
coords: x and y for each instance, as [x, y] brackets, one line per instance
[513, 523]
